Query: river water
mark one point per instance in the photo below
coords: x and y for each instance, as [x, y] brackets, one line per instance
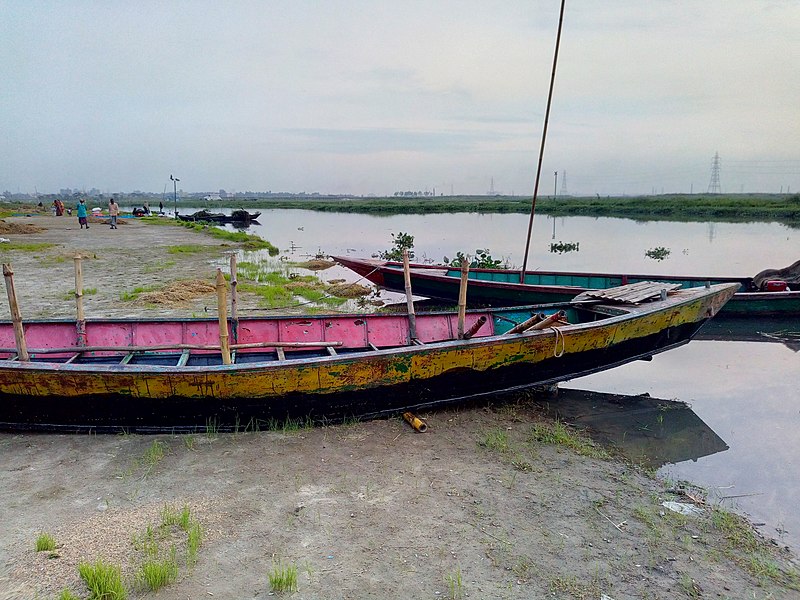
[745, 391]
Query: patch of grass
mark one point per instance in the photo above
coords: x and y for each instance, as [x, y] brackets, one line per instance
[735, 529]
[495, 439]
[26, 246]
[67, 595]
[136, 292]
[104, 580]
[283, 578]
[186, 249]
[193, 541]
[86, 292]
[455, 584]
[162, 265]
[248, 240]
[556, 433]
[154, 454]
[45, 543]
[155, 574]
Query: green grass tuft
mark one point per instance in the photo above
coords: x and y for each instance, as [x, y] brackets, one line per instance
[103, 580]
[67, 595]
[497, 440]
[558, 434]
[45, 543]
[155, 574]
[283, 578]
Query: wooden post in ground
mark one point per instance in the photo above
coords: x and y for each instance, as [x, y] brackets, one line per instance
[222, 309]
[412, 317]
[80, 323]
[16, 317]
[462, 298]
[234, 302]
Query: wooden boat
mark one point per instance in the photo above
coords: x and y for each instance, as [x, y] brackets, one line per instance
[237, 216]
[501, 287]
[140, 373]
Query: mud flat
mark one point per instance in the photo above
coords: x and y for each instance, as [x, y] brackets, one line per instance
[491, 502]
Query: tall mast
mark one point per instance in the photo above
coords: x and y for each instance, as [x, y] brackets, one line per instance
[541, 149]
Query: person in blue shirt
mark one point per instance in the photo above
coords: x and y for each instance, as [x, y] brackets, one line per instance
[82, 218]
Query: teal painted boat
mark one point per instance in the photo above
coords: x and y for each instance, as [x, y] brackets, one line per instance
[502, 287]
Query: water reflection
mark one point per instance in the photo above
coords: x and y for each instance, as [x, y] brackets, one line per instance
[650, 431]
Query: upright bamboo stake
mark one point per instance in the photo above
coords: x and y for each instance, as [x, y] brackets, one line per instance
[80, 324]
[16, 317]
[234, 302]
[222, 309]
[412, 317]
[462, 298]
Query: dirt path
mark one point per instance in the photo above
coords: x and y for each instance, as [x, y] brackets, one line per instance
[481, 506]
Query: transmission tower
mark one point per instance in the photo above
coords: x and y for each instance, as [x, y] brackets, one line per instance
[563, 183]
[713, 186]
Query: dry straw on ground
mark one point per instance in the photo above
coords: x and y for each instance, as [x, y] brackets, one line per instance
[177, 293]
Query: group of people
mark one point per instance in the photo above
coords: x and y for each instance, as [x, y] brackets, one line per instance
[83, 214]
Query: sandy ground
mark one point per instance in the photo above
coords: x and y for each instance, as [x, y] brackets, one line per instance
[477, 507]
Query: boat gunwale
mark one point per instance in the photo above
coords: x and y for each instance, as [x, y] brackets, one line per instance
[623, 313]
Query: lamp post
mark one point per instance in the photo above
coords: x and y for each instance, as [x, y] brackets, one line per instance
[175, 181]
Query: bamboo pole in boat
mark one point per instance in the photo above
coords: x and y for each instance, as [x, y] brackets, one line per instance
[412, 317]
[475, 327]
[548, 321]
[462, 298]
[222, 309]
[80, 323]
[527, 324]
[234, 301]
[16, 317]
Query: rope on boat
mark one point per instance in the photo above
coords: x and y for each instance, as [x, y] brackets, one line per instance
[559, 335]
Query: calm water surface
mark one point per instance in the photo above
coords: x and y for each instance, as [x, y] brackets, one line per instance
[745, 391]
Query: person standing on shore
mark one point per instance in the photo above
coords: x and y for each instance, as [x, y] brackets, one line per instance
[113, 211]
[82, 218]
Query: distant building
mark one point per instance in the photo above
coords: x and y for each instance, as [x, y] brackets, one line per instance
[211, 197]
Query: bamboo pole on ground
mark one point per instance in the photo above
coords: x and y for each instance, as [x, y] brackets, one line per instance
[462, 298]
[16, 317]
[222, 309]
[234, 301]
[80, 323]
[412, 317]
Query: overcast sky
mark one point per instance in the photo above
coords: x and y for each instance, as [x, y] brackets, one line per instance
[374, 96]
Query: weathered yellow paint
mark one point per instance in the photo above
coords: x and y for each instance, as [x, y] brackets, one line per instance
[331, 375]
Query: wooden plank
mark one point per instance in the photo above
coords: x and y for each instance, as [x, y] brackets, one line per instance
[281, 353]
[73, 358]
[633, 293]
[331, 351]
[126, 359]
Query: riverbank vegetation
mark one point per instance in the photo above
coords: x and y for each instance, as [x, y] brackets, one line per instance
[782, 208]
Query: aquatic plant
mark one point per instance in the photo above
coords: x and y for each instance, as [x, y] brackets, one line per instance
[401, 241]
[481, 260]
[563, 247]
[658, 253]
